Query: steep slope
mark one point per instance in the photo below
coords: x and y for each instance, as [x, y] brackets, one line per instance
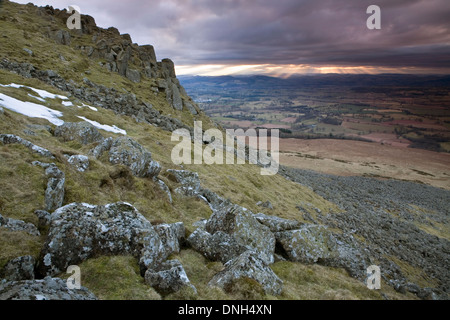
[100, 148]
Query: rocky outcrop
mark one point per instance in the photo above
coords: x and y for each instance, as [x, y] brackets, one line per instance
[172, 236]
[128, 152]
[45, 289]
[13, 139]
[83, 132]
[276, 224]
[18, 225]
[54, 194]
[168, 278]
[189, 180]
[219, 246]
[241, 224]
[79, 231]
[248, 265]
[20, 268]
[309, 244]
[80, 162]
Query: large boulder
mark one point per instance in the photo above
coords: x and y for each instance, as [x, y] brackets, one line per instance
[21, 268]
[168, 278]
[189, 180]
[172, 236]
[79, 231]
[242, 225]
[309, 244]
[54, 194]
[248, 265]
[83, 132]
[130, 153]
[45, 289]
[219, 246]
[276, 224]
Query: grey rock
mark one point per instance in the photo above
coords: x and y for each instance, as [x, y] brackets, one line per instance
[44, 217]
[248, 265]
[54, 194]
[168, 278]
[102, 147]
[13, 139]
[61, 37]
[21, 268]
[80, 162]
[164, 188]
[172, 235]
[189, 180]
[307, 244]
[83, 132]
[30, 52]
[190, 106]
[217, 247]
[79, 231]
[174, 97]
[266, 204]
[45, 289]
[241, 224]
[128, 152]
[133, 75]
[277, 224]
[18, 225]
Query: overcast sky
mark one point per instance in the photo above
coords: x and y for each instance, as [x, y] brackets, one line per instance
[281, 37]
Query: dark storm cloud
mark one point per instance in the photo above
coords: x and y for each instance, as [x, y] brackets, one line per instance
[414, 33]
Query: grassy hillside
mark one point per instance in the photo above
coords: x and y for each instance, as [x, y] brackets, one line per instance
[117, 277]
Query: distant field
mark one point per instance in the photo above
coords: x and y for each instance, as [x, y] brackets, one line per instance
[393, 125]
[343, 157]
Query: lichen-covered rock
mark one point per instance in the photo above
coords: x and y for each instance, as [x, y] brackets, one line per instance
[80, 162]
[168, 278]
[54, 194]
[83, 132]
[45, 289]
[21, 268]
[241, 224]
[79, 231]
[161, 184]
[128, 152]
[172, 235]
[44, 217]
[307, 244]
[189, 180]
[277, 224]
[13, 139]
[18, 225]
[248, 265]
[219, 246]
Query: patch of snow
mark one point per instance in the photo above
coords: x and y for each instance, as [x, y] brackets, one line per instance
[67, 103]
[42, 93]
[88, 106]
[37, 98]
[105, 127]
[30, 109]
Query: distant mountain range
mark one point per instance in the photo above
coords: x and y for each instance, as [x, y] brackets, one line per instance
[352, 80]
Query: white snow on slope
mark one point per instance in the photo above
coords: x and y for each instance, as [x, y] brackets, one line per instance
[30, 109]
[105, 127]
[42, 93]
